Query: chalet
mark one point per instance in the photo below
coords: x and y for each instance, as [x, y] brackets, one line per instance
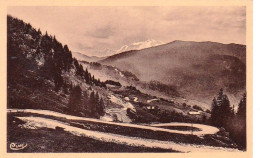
[152, 108]
[194, 113]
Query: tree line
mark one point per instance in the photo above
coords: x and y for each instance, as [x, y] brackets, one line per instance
[29, 50]
[224, 115]
[83, 104]
[58, 58]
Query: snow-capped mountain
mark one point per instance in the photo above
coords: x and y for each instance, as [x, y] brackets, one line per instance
[139, 45]
[108, 52]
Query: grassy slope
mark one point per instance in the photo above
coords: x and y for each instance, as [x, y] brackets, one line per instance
[197, 69]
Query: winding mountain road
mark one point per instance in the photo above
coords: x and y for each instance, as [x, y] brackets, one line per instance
[203, 129]
[41, 121]
[38, 122]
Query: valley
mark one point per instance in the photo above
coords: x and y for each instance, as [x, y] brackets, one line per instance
[157, 98]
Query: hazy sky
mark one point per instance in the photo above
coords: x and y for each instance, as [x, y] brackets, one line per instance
[91, 30]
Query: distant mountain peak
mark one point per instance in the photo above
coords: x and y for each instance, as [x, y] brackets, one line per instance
[140, 45]
[84, 57]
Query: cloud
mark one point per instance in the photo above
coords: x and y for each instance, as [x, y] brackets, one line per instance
[207, 16]
[84, 46]
[102, 32]
[91, 30]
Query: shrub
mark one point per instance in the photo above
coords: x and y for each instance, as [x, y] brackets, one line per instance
[197, 107]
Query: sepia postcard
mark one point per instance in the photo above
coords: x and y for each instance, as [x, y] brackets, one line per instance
[126, 78]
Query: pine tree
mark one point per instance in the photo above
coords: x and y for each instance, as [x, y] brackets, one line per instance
[75, 100]
[93, 80]
[87, 108]
[48, 68]
[92, 104]
[98, 82]
[215, 119]
[221, 110]
[220, 97]
[225, 111]
[39, 32]
[58, 79]
[97, 105]
[241, 113]
[96, 98]
[81, 70]
[241, 119]
[67, 58]
[101, 107]
[86, 76]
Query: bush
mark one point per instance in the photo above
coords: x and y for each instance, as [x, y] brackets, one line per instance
[197, 107]
[113, 83]
[167, 89]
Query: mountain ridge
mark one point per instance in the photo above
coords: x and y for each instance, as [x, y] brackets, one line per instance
[185, 64]
[81, 56]
[139, 45]
[173, 42]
